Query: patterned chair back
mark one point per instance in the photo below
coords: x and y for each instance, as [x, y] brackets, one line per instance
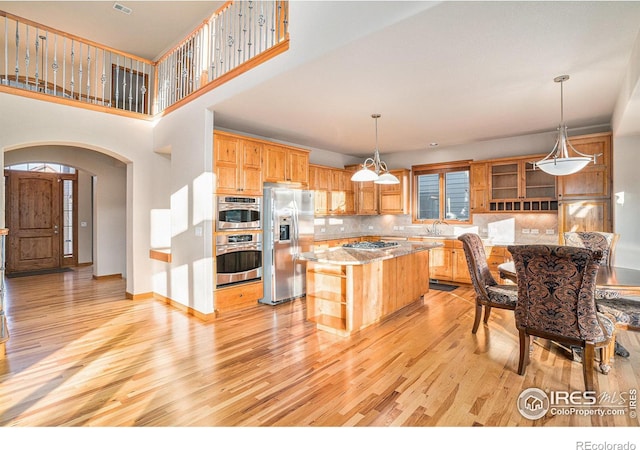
[593, 240]
[556, 291]
[477, 262]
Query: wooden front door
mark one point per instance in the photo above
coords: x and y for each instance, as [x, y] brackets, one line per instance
[33, 218]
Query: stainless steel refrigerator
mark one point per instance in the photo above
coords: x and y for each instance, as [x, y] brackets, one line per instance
[288, 231]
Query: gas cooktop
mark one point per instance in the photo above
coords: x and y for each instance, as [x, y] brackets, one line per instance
[371, 245]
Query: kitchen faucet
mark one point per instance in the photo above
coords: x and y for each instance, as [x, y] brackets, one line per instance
[434, 228]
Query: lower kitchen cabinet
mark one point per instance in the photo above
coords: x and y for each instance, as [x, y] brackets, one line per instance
[238, 297]
[343, 299]
[585, 215]
[449, 262]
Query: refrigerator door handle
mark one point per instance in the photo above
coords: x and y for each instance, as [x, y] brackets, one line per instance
[296, 232]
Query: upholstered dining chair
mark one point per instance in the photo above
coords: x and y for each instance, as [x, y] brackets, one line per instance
[489, 294]
[556, 301]
[594, 240]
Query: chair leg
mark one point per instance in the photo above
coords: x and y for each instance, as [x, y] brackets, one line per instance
[476, 320]
[587, 366]
[487, 313]
[525, 345]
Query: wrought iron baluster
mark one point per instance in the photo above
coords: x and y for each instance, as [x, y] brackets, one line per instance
[89, 75]
[26, 59]
[17, 69]
[117, 85]
[137, 83]
[80, 71]
[37, 47]
[130, 84]
[6, 52]
[45, 68]
[72, 82]
[103, 78]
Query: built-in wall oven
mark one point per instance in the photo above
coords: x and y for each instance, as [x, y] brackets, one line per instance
[238, 213]
[238, 257]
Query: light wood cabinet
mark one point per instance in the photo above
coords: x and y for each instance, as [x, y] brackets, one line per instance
[374, 199]
[594, 181]
[344, 299]
[585, 215]
[394, 198]
[585, 196]
[449, 262]
[286, 164]
[515, 185]
[479, 187]
[237, 165]
[333, 190]
[238, 297]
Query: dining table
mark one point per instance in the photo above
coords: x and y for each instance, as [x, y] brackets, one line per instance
[611, 283]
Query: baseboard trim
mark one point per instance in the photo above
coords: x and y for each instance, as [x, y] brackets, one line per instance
[143, 296]
[186, 309]
[113, 276]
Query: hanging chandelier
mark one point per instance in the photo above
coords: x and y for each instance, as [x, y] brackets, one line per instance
[373, 169]
[558, 162]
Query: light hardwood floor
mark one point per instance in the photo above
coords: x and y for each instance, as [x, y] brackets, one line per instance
[81, 354]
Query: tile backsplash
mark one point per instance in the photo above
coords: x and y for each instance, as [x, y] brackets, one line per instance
[522, 227]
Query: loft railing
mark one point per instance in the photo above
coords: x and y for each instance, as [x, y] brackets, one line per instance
[37, 60]
[236, 34]
[42, 60]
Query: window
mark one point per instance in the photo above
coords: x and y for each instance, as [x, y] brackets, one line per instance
[441, 192]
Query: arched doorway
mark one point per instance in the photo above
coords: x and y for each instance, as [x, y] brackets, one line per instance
[41, 201]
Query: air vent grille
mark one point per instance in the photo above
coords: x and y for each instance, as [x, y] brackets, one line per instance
[121, 8]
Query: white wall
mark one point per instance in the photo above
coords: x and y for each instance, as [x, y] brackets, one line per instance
[626, 207]
[188, 279]
[29, 123]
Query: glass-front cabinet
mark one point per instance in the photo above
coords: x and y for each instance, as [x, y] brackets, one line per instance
[516, 185]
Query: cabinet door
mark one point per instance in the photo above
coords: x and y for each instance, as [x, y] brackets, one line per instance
[275, 163]
[479, 189]
[394, 198]
[298, 167]
[505, 181]
[251, 170]
[593, 181]
[460, 267]
[226, 156]
[367, 198]
[585, 215]
[440, 263]
[321, 202]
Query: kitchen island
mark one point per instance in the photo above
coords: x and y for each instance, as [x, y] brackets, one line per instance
[349, 289]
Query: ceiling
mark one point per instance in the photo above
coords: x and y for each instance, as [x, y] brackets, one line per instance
[444, 72]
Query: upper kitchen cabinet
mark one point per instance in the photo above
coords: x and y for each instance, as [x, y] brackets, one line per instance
[585, 196]
[286, 165]
[594, 181]
[394, 198]
[372, 199]
[515, 185]
[237, 164]
[333, 190]
[479, 187]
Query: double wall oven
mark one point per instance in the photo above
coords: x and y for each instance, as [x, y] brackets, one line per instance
[239, 246]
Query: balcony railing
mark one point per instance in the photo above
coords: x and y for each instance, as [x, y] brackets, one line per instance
[40, 61]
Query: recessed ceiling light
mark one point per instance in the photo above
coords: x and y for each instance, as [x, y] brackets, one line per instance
[433, 144]
[121, 8]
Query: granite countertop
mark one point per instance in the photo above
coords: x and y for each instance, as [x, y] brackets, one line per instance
[527, 239]
[352, 256]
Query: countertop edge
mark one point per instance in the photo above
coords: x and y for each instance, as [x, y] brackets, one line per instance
[354, 257]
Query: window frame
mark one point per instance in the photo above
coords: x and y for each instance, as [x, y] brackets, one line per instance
[441, 169]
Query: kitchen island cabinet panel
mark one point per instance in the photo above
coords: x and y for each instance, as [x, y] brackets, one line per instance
[358, 292]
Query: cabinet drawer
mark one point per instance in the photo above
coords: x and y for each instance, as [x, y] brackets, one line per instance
[238, 297]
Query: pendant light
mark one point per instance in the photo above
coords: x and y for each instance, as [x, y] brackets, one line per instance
[558, 162]
[373, 169]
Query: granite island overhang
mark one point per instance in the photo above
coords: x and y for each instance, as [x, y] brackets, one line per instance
[349, 289]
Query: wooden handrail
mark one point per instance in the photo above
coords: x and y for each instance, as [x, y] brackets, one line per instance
[73, 37]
